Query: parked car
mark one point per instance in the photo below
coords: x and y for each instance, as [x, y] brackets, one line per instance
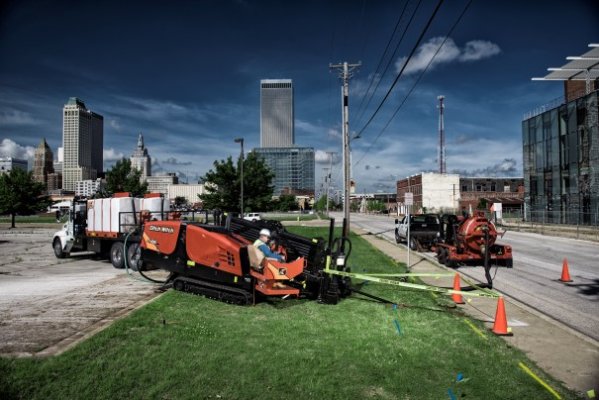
[252, 217]
[424, 230]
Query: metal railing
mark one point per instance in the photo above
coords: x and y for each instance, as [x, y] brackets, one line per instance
[555, 223]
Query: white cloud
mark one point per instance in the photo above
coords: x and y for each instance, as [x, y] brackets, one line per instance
[323, 157]
[473, 50]
[9, 148]
[308, 127]
[16, 118]
[479, 49]
[116, 125]
[335, 133]
[112, 155]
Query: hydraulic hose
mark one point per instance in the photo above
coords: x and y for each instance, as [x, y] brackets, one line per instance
[125, 255]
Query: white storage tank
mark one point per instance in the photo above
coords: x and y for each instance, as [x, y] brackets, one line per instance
[156, 206]
[122, 214]
[94, 215]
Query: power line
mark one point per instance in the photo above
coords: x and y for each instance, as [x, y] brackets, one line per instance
[416, 82]
[362, 110]
[428, 24]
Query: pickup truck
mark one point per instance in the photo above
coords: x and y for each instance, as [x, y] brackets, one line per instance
[424, 230]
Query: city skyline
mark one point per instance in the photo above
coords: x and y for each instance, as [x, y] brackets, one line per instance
[191, 86]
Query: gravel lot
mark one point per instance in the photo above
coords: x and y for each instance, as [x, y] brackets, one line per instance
[47, 303]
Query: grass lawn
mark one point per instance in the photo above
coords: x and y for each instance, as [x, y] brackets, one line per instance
[184, 346]
[31, 219]
[292, 217]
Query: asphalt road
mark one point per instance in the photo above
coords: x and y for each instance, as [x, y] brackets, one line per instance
[534, 278]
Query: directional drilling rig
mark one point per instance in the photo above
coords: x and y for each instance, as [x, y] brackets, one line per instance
[220, 261]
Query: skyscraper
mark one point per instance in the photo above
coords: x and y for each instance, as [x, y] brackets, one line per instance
[276, 113]
[141, 160]
[83, 141]
[43, 163]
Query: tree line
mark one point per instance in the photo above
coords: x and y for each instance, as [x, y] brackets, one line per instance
[20, 194]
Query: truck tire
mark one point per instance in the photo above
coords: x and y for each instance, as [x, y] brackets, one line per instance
[413, 244]
[441, 255]
[133, 256]
[116, 255]
[397, 238]
[57, 246]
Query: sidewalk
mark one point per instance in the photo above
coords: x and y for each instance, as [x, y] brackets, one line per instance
[560, 351]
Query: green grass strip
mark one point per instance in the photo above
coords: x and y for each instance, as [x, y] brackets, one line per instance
[475, 329]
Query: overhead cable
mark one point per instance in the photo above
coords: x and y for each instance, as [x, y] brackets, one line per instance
[372, 143]
[362, 110]
[428, 24]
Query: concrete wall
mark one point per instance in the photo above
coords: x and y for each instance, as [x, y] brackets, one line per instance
[440, 191]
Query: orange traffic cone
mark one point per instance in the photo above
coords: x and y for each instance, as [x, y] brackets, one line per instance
[457, 298]
[565, 272]
[500, 325]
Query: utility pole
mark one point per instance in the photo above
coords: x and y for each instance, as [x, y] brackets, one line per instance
[345, 72]
[328, 177]
[240, 140]
[441, 136]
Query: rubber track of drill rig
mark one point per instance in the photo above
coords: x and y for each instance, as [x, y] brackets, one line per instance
[215, 291]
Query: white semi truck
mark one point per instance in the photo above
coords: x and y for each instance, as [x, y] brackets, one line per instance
[103, 225]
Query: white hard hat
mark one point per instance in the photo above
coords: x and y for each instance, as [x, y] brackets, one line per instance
[265, 232]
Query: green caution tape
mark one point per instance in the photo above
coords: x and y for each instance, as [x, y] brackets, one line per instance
[417, 286]
[412, 274]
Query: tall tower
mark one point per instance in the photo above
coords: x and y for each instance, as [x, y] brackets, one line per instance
[276, 113]
[141, 159]
[43, 163]
[442, 166]
[83, 142]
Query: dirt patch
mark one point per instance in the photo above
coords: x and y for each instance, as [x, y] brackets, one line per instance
[44, 301]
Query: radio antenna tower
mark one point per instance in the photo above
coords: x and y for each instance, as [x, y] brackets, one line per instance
[442, 166]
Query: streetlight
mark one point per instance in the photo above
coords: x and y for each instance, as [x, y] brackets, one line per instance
[240, 140]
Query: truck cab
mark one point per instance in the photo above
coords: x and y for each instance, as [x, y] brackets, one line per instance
[423, 228]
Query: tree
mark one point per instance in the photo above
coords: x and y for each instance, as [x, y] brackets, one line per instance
[123, 178]
[321, 204]
[180, 201]
[223, 185]
[287, 202]
[21, 194]
[375, 206]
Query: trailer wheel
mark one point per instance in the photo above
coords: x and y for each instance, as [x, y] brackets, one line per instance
[57, 246]
[116, 255]
[134, 257]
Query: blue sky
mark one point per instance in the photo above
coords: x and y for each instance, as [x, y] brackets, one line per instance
[186, 74]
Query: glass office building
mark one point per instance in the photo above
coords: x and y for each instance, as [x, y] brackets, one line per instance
[561, 163]
[293, 168]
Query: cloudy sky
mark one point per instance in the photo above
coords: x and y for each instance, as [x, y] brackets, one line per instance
[186, 74]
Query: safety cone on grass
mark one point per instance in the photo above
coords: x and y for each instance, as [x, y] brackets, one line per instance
[456, 297]
[500, 325]
[565, 272]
